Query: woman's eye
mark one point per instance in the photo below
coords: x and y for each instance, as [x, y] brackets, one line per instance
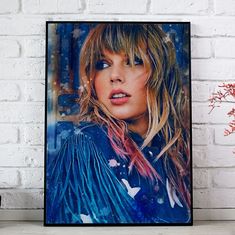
[101, 64]
[137, 61]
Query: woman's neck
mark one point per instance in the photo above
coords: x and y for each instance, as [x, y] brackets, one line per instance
[139, 125]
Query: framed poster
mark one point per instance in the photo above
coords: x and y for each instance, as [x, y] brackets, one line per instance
[118, 124]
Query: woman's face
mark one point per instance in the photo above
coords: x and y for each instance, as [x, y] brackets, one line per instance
[122, 87]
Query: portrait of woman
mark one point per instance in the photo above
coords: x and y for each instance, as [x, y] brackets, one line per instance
[126, 158]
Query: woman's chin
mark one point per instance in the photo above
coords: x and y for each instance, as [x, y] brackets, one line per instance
[122, 117]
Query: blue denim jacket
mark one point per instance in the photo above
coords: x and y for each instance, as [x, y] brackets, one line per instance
[88, 182]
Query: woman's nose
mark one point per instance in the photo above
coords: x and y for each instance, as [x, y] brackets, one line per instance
[117, 75]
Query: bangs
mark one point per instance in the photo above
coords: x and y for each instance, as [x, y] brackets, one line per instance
[130, 39]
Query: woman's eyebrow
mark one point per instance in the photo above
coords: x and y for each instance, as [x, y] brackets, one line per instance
[102, 56]
[106, 57]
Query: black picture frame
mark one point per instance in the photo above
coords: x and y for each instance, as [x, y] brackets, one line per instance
[64, 40]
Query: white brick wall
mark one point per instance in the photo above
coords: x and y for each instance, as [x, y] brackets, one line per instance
[22, 42]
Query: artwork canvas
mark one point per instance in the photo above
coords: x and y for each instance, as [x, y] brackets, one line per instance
[118, 124]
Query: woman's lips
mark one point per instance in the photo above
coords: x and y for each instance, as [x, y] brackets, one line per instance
[119, 101]
[119, 97]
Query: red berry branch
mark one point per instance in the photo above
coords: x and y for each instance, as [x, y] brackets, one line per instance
[221, 95]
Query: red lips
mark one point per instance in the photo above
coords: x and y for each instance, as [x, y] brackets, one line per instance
[119, 97]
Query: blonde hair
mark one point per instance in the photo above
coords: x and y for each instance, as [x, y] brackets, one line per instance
[167, 105]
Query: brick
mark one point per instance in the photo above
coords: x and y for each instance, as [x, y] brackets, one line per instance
[213, 156]
[201, 113]
[33, 135]
[32, 178]
[213, 69]
[9, 91]
[117, 7]
[9, 48]
[22, 69]
[21, 156]
[71, 6]
[9, 134]
[21, 25]
[34, 91]
[223, 178]
[9, 6]
[224, 27]
[22, 198]
[225, 7]
[31, 6]
[9, 178]
[201, 48]
[214, 198]
[200, 178]
[20, 112]
[200, 29]
[224, 47]
[212, 26]
[48, 6]
[200, 91]
[202, 135]
[53, 6]
[221, 139]
[179, 7]
[34, 47]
